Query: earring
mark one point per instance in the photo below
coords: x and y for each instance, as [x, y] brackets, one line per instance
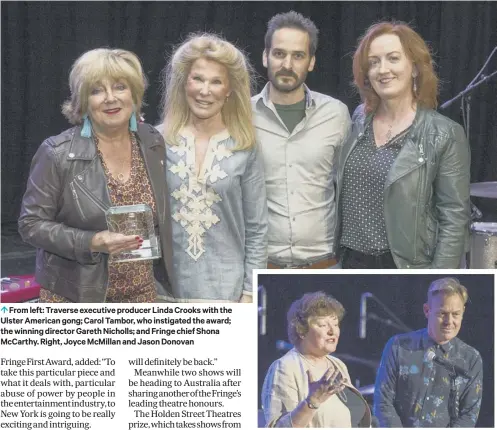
[414, 86]
[86, 130]
[133, 126]
[367, 84]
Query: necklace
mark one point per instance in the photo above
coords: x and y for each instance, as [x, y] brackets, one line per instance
[314, 365]
[388, 136]
[404, 120]
[119, 176]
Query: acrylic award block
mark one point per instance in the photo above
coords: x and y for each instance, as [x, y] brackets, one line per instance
[134, 220]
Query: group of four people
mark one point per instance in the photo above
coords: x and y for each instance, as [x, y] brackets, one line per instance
[284, 179]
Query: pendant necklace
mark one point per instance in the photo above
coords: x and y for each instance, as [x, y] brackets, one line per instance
[388, 136]
[120, 175]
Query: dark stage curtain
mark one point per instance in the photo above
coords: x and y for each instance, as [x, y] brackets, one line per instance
[403, 295]
[41, 40]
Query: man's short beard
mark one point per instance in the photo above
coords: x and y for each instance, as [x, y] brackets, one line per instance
[284, 88]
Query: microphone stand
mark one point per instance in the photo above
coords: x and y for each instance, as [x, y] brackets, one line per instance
[466, 111]
[467, 100]
[389, 322]
[394, 321]
[262, 309]
[469, 88]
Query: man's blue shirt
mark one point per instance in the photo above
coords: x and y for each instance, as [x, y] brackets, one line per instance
[413, 391]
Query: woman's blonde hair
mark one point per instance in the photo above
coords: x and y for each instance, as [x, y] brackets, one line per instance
[237, 109]
[95, 66]
[417, 52]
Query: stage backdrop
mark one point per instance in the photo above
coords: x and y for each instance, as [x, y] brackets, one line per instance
[40, 41]
[404, 295]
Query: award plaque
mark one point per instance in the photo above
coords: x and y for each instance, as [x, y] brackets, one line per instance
[134, 220]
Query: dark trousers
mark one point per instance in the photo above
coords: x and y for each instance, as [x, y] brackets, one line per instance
[352, 259]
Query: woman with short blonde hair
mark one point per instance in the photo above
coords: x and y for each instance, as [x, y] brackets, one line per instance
[96, 64]
[107, 159]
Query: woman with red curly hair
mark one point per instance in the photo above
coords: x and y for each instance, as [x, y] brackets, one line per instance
[403, 179]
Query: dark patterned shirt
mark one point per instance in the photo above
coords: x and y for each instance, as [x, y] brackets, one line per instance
[364, 180]
[413, 391]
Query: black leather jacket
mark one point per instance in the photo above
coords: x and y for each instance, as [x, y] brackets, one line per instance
[64, 206]
[426, 207]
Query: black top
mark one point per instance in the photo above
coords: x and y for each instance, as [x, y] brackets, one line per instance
[365, 174]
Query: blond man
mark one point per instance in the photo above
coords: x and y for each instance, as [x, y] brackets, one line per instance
[429, 377]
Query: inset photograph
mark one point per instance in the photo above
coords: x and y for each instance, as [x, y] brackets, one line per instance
[376, 350]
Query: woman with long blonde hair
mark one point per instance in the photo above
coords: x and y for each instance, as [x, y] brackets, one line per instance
[214, 171]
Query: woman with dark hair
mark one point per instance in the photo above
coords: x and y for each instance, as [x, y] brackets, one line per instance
[308, 387]
[403, 179]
